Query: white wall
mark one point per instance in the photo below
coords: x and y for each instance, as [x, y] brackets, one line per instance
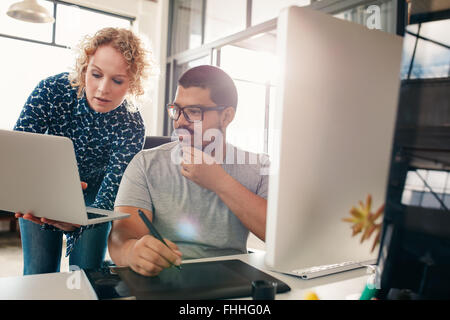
[151, 24]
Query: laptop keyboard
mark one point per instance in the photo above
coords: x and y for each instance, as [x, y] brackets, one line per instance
[95, 215]
[319, 271]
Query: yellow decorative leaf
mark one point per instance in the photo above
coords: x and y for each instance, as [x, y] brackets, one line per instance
[363, 220]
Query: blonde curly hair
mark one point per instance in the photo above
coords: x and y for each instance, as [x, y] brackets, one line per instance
[132, 49]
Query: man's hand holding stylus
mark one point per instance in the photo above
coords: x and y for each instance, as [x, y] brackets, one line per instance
[149, 256]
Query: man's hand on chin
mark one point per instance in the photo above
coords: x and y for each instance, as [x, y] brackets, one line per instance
[202, 169]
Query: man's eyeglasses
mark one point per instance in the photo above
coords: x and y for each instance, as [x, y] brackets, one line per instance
[191, 113]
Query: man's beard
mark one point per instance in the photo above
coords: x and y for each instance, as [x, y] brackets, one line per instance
[194, 137]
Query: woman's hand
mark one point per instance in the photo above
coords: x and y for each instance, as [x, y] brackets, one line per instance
[57, 224]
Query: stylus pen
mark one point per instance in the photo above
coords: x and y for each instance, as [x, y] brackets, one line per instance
[155, 232]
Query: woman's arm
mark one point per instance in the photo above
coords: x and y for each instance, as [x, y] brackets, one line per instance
[128, 143]
[35, 114]
[123, 151]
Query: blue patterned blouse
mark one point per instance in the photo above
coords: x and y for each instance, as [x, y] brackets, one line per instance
[104, 142]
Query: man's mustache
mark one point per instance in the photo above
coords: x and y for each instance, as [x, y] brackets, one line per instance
[182, 131]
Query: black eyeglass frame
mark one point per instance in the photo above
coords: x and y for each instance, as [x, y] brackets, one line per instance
[202, 109]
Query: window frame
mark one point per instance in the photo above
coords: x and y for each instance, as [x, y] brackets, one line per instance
[55, 8]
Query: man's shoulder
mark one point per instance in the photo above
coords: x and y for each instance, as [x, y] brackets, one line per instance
[236, 155]
[163, 151]
[159, 160]
[247, 165]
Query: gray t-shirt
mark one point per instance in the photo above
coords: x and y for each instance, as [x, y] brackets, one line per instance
[193, 217]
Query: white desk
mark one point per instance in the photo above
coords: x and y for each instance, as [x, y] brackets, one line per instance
[49, 286]
[344, 285]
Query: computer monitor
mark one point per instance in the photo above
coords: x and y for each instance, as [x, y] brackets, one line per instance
[335, 115]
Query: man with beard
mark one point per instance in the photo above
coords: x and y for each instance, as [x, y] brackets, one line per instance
[203, 194]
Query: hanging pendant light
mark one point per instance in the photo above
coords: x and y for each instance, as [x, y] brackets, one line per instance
[30, 11]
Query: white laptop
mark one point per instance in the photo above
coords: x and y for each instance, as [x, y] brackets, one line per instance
[39, 173]
[335, 115]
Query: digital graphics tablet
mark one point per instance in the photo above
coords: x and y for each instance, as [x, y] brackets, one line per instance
[226, 279]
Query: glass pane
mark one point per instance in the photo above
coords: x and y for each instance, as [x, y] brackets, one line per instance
[245, 64]
[430, 61]
[414, 182]
[411, 198]
[437, 31]
[447, 201]
[23, 29]
[186, 25]
[412, 28]
[430, 201]
[73, 23]
[224, 18]
[374, 15]
[436, 180]
[247, 129]
[23, 65]
[200, 61]
[263, 10]
[408, 49]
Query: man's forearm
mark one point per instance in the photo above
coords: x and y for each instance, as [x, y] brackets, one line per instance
[119, 248]
[247, 206]
[125, 233]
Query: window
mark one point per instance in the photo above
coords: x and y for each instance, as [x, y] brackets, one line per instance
[21, 73]
[263, 10]
[187, 30]
[423, 112]
[427, 50]
[32, 52]
[420, 186]
[252, 71]
[224, 18]
[73, 22]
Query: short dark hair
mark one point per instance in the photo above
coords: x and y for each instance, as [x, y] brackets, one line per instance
[222, 89]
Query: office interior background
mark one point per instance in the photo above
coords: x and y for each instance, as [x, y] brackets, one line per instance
[240, 37]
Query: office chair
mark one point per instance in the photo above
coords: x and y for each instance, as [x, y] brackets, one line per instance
[155, 141]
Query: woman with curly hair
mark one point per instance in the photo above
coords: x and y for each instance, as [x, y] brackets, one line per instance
[93, 107]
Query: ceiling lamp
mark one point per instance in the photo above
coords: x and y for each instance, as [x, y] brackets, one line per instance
[30, 11]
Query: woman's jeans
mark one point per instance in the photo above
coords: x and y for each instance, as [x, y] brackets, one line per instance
[42, 248]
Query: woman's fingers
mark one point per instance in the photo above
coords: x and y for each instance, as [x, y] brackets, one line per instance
[60, 225]
[30, 217]
[18, 215]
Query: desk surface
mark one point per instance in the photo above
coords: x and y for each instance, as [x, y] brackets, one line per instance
[75, 285]
[50, 286]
